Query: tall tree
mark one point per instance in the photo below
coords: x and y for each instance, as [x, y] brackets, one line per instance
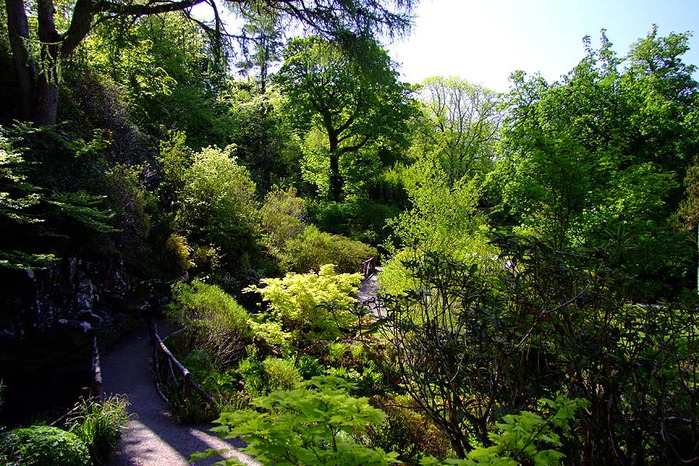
[168, 73]
[265, 32]
[453, 147]
[38, 75]
[461, 122]
[353, 103]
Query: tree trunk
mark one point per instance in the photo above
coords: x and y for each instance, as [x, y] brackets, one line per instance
[38, 79]
[38, 88]
[18, 30]
[47, 95]
[336, 182]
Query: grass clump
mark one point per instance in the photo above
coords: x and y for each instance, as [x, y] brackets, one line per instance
[99, 425]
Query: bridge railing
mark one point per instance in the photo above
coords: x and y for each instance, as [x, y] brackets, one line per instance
[170, 372]
[368, 267]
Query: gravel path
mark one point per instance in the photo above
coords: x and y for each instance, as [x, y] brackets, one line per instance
[153, 437]
[368, 291]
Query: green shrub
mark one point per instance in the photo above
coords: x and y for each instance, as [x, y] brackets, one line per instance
[524, 438]
[360, 219]
[337, 350]
[192, 411]
[214, 321]
[281, 374]
[130, 201]
[261, 377]
[178, 252]
[347, 353]
[283, 217]
[312, 249]
[198, 362]
[222, 385]
[309, 367]
[43, 446]
[99, 425]
[316, 423]
[333, 217]
[252, 371]
[217, 210]
[406, 430]
[271, 334]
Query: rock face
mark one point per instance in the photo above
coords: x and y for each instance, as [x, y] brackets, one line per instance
[48, 318]
[72, 293]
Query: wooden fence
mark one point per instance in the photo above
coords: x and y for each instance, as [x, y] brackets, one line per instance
[169, 372]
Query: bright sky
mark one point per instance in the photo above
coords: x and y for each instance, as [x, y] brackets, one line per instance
[484, 41]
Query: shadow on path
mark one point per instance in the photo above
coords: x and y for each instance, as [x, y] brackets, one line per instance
[153, 436]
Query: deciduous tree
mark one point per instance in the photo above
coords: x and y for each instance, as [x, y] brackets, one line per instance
[460, 125]
[597, 159]
[354, 104]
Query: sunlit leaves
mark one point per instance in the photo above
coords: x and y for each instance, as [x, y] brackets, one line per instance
[15, 192]
[603, 151]
[217, 206]
[313, 424]
[312, 303]
[460, 126]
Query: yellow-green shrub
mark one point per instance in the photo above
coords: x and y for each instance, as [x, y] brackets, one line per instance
[313, 248]
[311, 306]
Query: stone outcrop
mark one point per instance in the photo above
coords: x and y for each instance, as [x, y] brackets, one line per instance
[73, 293]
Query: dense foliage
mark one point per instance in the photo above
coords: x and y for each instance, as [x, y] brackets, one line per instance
[597, 160]
[313, 424]
[43, 445]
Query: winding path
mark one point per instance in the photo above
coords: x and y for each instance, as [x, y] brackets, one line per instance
[153, 437]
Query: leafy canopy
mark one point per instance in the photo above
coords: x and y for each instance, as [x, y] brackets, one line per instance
[354, 106]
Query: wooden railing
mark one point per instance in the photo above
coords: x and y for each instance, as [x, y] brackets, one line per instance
[96, 388]
[169, 371]
[368, 267]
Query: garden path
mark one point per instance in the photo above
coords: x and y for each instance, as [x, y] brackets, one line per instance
[153, 437]
[368, 291]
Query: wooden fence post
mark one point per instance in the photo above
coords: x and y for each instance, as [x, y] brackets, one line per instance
[96, 371]
[186, 386]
